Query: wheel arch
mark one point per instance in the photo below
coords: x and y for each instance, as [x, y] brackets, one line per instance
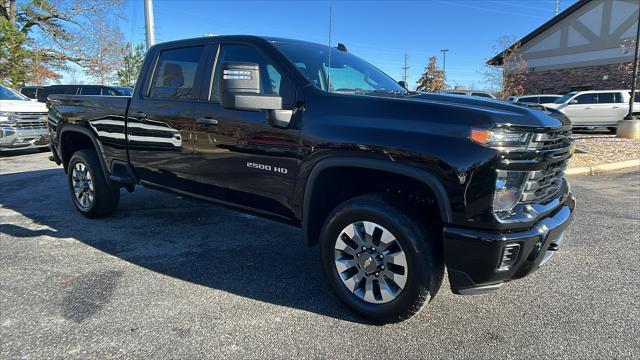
[66, 150]
[311, 225]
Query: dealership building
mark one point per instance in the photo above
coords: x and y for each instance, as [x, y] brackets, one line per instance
[582, 48]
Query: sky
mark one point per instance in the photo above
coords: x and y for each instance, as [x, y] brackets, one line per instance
[380, 32]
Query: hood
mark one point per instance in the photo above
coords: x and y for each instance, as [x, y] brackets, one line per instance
[502, 112]
[22, 106]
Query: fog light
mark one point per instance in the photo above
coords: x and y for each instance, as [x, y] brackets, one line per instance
[509, 256]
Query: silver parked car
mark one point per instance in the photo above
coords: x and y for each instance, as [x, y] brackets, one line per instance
[541, 99]
[596, 108]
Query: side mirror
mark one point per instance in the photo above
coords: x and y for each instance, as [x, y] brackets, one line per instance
[573, 101]
[240, 87]
[404, 84]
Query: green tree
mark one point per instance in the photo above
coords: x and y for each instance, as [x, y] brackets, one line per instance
[48, 34]
[432, 79]
[131, 64]
[12, 53]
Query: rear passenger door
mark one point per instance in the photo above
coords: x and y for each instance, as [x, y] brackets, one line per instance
[607, 110]
[161, 117]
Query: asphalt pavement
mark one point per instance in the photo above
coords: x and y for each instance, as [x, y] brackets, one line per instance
[169, 277]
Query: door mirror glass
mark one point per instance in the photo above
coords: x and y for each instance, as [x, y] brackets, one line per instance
[240, 88]
[573, 102]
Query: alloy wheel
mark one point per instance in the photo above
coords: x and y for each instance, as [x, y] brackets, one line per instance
[371, 262]
[83, 188]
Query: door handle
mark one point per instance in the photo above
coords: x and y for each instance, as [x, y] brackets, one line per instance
[587, 108]
[616, 107]
[207, 121]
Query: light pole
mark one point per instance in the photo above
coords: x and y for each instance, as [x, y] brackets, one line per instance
[444, 63]
[634, 76]
[148, 21]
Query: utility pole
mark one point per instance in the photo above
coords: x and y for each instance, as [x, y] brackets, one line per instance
[557, 7]
[148, 22]
[405, 67]
[444, 63]
[634, 76]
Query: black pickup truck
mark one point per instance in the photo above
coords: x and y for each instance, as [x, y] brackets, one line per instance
[393, 185]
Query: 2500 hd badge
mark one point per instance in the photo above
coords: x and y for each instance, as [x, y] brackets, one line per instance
[265, 167]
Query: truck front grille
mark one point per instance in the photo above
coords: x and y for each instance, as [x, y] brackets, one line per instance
[544, 185]
[29, 120]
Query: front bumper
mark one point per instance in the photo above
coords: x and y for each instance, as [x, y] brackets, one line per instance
[474, 257]
[20, 138]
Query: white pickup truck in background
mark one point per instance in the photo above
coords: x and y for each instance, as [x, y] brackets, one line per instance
[603, 108]
[23, 122]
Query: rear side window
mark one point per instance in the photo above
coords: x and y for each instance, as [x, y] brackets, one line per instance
[528, 100]
[93, 90]
[586, 99]
[481, 95]
[175, 73]
[606, 98]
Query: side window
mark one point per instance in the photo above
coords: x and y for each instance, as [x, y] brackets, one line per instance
[272, 82]
[586, 99]
[92, 90]
[547, 99]
[175, 73]
[606, 98]
[109, 91]
[481, 95]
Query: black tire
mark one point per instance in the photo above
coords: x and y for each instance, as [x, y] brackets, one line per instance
[106, 197]
[613, 130]
[424, 258]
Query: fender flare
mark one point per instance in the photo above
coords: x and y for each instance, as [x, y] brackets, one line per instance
[96, 144]
[400, 169]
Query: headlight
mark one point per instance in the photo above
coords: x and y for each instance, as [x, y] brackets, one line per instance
[500, 138]
[509, 186]
[4, 116]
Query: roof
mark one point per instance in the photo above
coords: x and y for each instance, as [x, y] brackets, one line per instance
[497, 60]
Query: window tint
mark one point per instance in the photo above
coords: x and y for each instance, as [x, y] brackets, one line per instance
[481, 95]
[175, 73]
[637, 97]
[586, 99]
[606, 98]
[29, 92]
[528, 100]
[109, 91]
[92, 90]
[272, 82]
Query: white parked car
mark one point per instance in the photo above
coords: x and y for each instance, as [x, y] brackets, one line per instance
[541, 99]
[23, 122]
[596, 108]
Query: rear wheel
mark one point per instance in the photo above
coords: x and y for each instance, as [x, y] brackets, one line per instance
[378, 260]
[90, 192]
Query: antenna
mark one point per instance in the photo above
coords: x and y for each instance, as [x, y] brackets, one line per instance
[329, 61]
[405, 67]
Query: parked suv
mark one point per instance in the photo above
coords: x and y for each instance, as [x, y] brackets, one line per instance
[393, 185]
[81, 90]
[603, 108]
[23, 123]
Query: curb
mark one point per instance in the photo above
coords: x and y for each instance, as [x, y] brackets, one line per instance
[602, 167]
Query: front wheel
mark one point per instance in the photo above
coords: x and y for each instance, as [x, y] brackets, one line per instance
[90, 192]
[379, 260]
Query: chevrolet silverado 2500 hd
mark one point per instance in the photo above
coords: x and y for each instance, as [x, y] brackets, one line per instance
[393, 185]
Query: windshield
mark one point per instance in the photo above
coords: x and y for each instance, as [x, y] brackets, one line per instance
[347, 74]
[563, 99]
[8, 94]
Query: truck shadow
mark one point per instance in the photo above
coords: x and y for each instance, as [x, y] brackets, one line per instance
[194, 241]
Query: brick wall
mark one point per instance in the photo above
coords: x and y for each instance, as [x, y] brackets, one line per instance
[600, 77]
